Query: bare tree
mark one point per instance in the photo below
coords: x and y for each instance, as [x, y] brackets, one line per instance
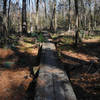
[77, 23]
[69, 14]
[45, 10]
[55, 18]
[37, 9]
[4, 21]
[95, 23]
[4, 7]
[53, 24]
[24, 18]
[9, 15]
[30, 4]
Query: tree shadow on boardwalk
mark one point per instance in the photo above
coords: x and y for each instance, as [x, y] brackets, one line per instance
[54, 61]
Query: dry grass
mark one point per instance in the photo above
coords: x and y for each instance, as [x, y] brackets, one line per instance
[13, 84]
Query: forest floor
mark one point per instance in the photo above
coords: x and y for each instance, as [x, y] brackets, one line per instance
[15, 66]
[82, 64]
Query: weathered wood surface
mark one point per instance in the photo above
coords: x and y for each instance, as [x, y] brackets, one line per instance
[52, 83]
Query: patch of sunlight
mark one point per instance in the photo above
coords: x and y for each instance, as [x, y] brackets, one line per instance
[25, 44]
[97, 37]
[32, 51]
[54, 35]
[68, 40]
[29, 50]
[35, 69]
[12, 36]
[28, 39]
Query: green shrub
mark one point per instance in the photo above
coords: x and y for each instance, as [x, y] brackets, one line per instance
[34, 34]
[40, 38]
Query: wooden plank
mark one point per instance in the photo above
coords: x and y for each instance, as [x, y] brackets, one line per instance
[58, 90]
[44, 87]
[53, 83]
[68, 90]
[63, 86]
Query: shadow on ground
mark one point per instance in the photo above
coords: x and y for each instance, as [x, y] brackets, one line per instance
[18, 82]
[83, 74]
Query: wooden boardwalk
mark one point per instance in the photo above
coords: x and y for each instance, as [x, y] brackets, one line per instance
[52, 83]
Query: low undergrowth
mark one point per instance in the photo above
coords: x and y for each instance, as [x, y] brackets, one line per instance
[19, 69]
[81, 64]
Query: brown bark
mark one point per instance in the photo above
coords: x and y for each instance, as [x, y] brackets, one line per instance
[4, 21]
[9, 15]
[53, 20]
[77, 23]
[45, 10]
[4, 7]
[24, 18]
[37, 9]
[69, 16]
[95, 24]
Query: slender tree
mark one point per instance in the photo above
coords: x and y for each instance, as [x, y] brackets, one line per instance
[69, 15]
[51, 14]
[55, 17]
[9, 15]
[30, 4]
[24, 18]
[77, 23]
[45, 10]
[89, 3]
[4, 7]
[4, 21]
[53, 25]
[37, 9]
[95, 23]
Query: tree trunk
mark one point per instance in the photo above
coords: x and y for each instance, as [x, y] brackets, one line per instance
[9, 15]
[69, 16]
[4, 7]
[37, 9]
[31, 28]
[24, 18]
[95, 24]
[90, 18]
[55, 17]
[45, 10]
[85, 22]
[77, 23]
[4, 21]
[52, 18]
[81, 15]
